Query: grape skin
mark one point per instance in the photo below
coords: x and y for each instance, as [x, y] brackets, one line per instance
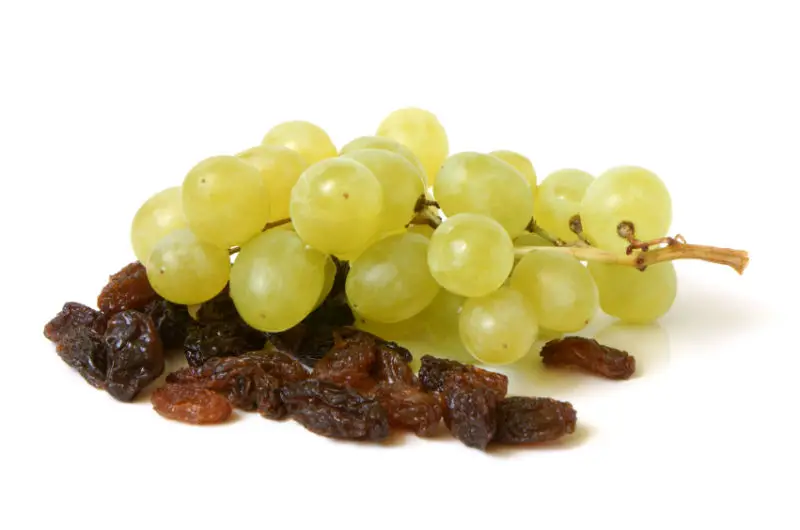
[558, 199]
[311, 141]
[421, 132]
[386, 144]
[634, 296]
[280, 168]
[161, 214]
[522, 164]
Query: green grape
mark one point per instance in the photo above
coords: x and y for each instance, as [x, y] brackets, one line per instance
[186, 270]
[520, 163]
[401, 184]
[498, 328]
[425, 230]
[276, 280]
[483, 184]
[390, 281]
[562, 290]
[225, 201]
[158, 216]
[327, 284]
[470, 254]
[634, 296]
[558, 199]
[527, 239]
[336, 205]
[420, 131]
[631, 194]
[280, 168]
[309, 140]
[386, 144]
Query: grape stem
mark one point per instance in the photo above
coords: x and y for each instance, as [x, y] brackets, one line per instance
[273, 224]
[425, 213]
[544, 234]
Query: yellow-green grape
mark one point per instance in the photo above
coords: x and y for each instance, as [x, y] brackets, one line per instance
[470, 254]
[327, 284]
[186, 270]
[528, 239]
[225, 201]
[336, 206]
[402, 186]
[635, 296]
[390, 281]
[280, 168]
[425, 230]
[483, 184]
[386, 144]
[158, 216]
[522, 164]
[309, 140]
[630, 194]
[276, 280]
[498, 328]
[562, 290]
[420, 131]
[558, 199]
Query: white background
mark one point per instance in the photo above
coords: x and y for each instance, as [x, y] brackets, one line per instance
[103, 104]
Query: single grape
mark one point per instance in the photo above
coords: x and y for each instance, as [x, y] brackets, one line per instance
[425, 230]
[558, 199]
[631, 194]
[470, 254]
[522, 164]
[527, 239]
[482, 184]
[635, 296]
[276, 280]
[225, 201]
[309, 140]
[401, 183]
[158, 216]
[390, 281]
[562, 290]
[420, 131]
[498, 328]
[386, 144]
[280, 168]
[327, 284]
[336, 205]
[185, 270]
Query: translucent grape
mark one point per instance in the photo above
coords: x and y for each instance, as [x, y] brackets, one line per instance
[280, 168]
[309, 140]
[186, 270]
[390, 281]
[527, 239]
[420, 131]
[478, 183]
[225, 201]
[158, 216]
[635, 296]
[522, 164]
[327, 284]
[401, 183]
[336, 205]
[558, 199]
[562, 290]
[499, 328]
[470, 254]
[276, 280]
[386, 144]
[630, 194]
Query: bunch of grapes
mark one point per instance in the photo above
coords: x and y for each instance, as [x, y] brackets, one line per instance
[420, 229]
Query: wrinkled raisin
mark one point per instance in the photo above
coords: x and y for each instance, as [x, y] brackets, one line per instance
[350, 361]
[432, 373]
[409, 407]
[127, 289]
[171, 321]
[73, 316]
[190, 404]
[309, 343]
[135, 356]
[220, 339]
[85, 350]
[589, 355]
[524, 420]
[335, 411]
[392, 364]
[219, 308]
[470, 408]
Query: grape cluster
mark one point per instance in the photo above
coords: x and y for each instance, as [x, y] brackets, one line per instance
[271, 222]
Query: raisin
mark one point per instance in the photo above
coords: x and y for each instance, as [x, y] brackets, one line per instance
[85, 350]
[409, 407]
[127, 289]
[524, 420]
[433, 371]
[171, 321]
[470, 408]
[74, 316]
[589, 355]
[135, 354]
[350, 361]
[190, 404]
[309, 344]
[392, 364]
[220, 339]
[218, 309]
[335, 411]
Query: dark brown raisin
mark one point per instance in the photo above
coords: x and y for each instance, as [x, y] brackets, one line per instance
[410, 408]
[127, 289]
[85, 350]
[589, 355]
[392, 364]
[220, 339]
[525, 420]
[432, 373]
[218, 309]
[171, 321]
[71, 317]
[309, 344]
[335, 411]
[470, 408]
[190, 404]
[135, 356]
[350, 361]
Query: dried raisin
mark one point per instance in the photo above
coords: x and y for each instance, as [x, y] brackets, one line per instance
[74, 316]
[85, 350]
[408, 407]
[350, 361]
[218, 309]
[127, 289]
[190, 404]
[470, 408]
[524, 420]
[220, 339]
[433, 371]
[392, 364]
[171, 321]
[135, 354]
[589, 355]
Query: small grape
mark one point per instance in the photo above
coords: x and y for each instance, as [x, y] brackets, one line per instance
[158, 216]
[522, 164]
[309, 140]
[421, 132]
[386, 144]
[327, 284]
[559, 198]
[634, 296]
[186, 270]
[280, 168]
[470, 254]
[527, 239]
